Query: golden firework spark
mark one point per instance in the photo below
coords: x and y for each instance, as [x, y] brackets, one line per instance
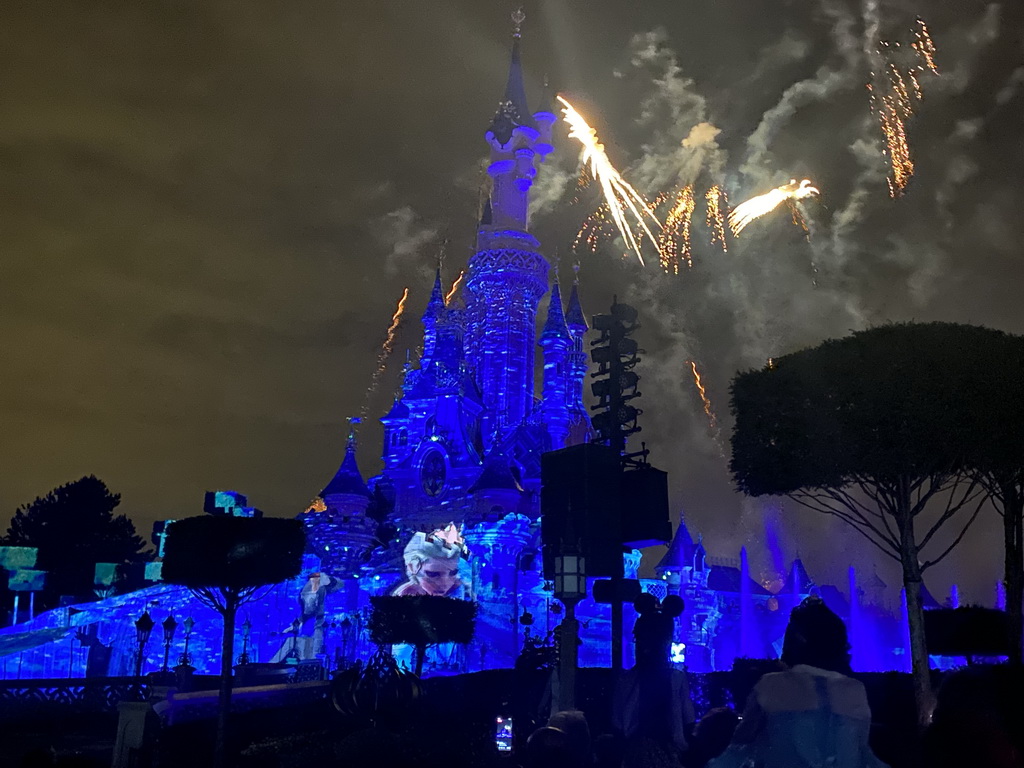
[385, 350]
[316, 505]
[925, 46]
[799, 219]
[759, 206]
[455, 287]
[715, 197]
[619, 196]
[893, 101]
[674, 239]
[596, 227]
[708, 411]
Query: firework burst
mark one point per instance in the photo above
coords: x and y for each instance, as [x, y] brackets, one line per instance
[674, 239]
[893, 101]
[716, 202]
[622, 201]
[759, 206]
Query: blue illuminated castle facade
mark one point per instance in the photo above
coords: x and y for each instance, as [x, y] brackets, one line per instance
[463, 440]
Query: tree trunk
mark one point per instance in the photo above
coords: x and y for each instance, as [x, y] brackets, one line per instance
[1013, 565]
[920, 670]
[421, 652]
[227, 654]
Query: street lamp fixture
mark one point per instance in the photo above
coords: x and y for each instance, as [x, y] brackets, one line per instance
[169, 626]
[185, 660]
[246, 634]
[570, 577]
[143, 627]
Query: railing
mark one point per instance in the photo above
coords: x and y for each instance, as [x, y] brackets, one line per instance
[101, 694]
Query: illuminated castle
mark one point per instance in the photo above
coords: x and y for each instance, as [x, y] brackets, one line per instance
[463, 440]
[462, 443]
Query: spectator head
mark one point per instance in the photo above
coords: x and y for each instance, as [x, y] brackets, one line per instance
[577, 733]
[816, 637]
[713, 732]
[547, 747]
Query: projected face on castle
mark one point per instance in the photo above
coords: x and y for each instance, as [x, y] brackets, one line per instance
[432, 563]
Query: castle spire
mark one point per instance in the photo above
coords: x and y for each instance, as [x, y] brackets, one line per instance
[431, 316]
[555, 325]
[512, 109]
[574, 316]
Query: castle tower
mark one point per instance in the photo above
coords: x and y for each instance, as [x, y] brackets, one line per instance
[580, 429]
[341, 534]
[556, 343]
[507, 274]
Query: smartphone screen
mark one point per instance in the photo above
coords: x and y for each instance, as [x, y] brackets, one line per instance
[503, 734]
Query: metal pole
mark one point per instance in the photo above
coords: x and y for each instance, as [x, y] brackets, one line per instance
[16, 596]
[616, 627]
[31, 605]
[568, 651]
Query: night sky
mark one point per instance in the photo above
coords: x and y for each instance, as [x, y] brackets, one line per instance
[210, 209]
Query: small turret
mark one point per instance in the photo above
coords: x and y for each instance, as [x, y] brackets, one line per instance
[556, 342]
[580, 428]
[431, 316]
[339, 532]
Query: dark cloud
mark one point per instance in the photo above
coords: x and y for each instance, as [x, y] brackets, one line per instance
[211, 209]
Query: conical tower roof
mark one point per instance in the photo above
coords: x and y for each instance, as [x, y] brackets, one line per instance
[680, 551]
[574, 316]
[512, 109]
[496, 474]
[436, 304]
[798, 575]
[348, 479]
[555, 326]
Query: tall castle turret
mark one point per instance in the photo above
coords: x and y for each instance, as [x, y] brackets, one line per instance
[507, 274]
[556, 342]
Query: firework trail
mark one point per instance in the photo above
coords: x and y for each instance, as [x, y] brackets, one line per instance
[893, 101]
[596, 227]
[756, 207]
[708, 411]
[619, 196]
[714, 198]
[385, 351]
[924, 45]
[799, 220]
[455, 287]
[674, 239]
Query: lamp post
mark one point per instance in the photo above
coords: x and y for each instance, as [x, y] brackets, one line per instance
[246, 634]
[143, 627]
[570, 588]
[185, 660]
[169, 625]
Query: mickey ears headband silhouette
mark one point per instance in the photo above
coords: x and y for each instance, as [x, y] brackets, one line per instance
[647, 604]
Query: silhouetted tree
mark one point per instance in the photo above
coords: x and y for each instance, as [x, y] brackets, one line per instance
[421, 621]
[999, 459]
[226, 562]
[874, 429]
[74, 527]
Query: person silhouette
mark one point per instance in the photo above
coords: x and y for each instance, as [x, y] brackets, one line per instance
[812, 714]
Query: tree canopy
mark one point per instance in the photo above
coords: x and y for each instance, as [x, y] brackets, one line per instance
[221, 551]
[876, 429]
[74, 527]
